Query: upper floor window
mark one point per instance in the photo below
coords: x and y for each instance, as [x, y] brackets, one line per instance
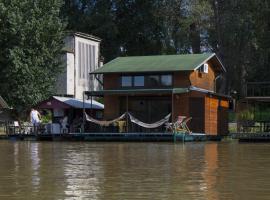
[148, 81]
[126, 81]
[166, 80]
[153, 80]
[138, 81]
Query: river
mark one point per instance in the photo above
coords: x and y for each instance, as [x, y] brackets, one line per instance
[88, 170]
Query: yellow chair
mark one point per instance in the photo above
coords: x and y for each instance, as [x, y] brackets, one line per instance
[121, 125]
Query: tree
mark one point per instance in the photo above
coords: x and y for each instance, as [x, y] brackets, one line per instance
[31, 35]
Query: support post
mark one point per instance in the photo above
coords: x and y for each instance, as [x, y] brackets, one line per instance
[91, 104]
[172, 108]
[127, 113]
[83, 112]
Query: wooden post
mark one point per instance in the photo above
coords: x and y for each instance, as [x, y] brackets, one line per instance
[92, 104]
[172, 108]
[127, 113]
[83, 113]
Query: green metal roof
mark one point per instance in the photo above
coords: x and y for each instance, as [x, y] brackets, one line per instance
[160, 63]
[138, 91]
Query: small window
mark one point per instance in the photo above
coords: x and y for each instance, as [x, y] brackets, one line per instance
[126, 81]
[166, 80]
[153, 80]
[138, 81]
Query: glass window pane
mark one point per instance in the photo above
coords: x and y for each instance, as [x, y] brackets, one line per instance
[126, 81]
[153, 81]
[166, 80]
[138, 81]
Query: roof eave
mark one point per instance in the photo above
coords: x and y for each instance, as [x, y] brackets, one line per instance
[210, 57]
[140, 72]
[84, 35]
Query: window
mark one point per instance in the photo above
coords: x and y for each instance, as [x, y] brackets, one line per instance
[147, 81]
[166, 80]
[126, 81]
[138, 81]
[153, 81]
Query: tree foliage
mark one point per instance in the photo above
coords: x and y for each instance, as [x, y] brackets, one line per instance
[237, 30]
[31, 35]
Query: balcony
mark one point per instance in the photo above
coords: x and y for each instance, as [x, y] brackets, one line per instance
[258, 89]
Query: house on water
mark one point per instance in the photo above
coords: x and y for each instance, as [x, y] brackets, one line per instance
[151, 87]
[81, 56]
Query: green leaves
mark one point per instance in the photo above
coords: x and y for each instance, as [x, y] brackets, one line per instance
[31, 35]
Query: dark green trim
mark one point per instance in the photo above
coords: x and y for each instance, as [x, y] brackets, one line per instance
[138, 91]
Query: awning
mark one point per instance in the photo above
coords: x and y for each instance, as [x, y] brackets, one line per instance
[138, 91]
[67, 102]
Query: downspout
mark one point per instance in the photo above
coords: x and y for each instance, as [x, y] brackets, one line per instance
[215, 86]
[100, 82]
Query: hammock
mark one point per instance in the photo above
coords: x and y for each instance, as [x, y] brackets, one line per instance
[103, 123]
[153, 125]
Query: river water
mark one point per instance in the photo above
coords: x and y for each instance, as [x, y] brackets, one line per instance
[85, 170]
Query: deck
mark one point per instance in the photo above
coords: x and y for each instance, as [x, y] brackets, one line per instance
[252, 137]
[107, 137]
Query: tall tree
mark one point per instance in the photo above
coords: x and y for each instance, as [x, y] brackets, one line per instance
[233, 37]
[31, 35]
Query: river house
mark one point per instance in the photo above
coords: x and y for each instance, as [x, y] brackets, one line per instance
[151, 87]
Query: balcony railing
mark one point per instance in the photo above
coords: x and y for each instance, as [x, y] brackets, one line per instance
[258, 89]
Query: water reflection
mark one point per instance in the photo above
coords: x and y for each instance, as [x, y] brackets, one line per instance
[35, 164]
[83, 173]
[58, 170]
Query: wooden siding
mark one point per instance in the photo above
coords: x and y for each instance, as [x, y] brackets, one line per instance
[216, 116]
[111, 81]
[203, 80]
[181, 79]
[111, 105]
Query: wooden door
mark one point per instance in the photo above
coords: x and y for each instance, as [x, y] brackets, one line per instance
[197, 112]
[222, 121]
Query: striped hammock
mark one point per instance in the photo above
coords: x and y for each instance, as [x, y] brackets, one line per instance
[152, 125]
[104, 123]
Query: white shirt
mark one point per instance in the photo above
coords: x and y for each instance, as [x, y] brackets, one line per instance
[34, 116]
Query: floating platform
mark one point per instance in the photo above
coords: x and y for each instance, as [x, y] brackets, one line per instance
[252, 137]
[132, 137]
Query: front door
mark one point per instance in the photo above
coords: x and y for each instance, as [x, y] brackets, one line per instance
[196, 109]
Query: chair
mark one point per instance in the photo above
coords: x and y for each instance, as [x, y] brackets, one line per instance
[185, 126]
[178, 123]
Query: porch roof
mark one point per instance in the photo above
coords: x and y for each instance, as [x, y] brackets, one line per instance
[138, 91]
[67, 102]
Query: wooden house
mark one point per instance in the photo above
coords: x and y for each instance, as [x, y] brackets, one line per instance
[150, 87]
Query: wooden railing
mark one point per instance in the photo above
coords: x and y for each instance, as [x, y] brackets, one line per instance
[258, 89]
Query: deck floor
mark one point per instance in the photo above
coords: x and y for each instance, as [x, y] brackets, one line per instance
[142, 137]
